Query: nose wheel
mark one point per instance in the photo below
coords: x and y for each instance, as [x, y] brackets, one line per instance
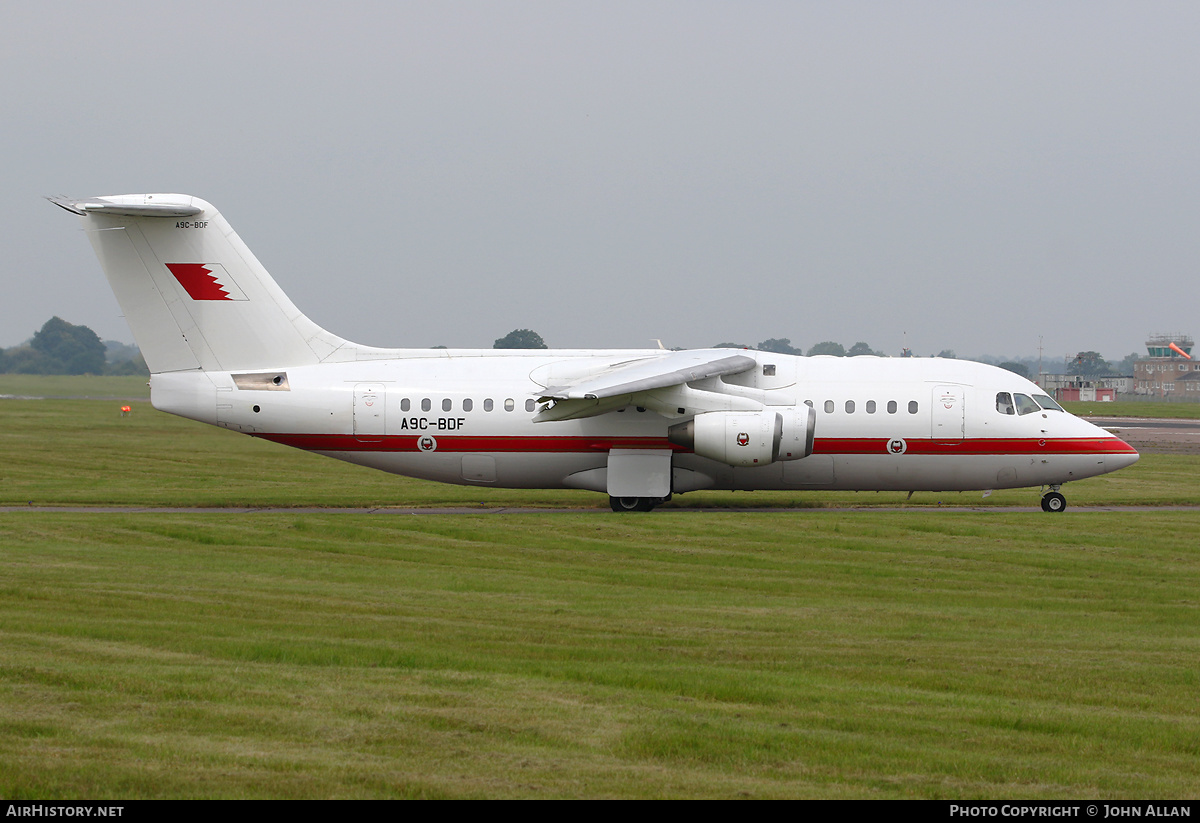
[1053, 502]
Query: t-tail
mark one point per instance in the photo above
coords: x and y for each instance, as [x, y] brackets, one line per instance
[194, 295]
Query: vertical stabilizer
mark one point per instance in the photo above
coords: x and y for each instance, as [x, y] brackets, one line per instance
[193, 294]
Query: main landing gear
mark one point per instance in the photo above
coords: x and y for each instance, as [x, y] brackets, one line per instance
[1053, 501]
[635, 504]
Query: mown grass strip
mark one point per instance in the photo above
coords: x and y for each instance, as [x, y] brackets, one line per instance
[870, 655]
[124, 387]
[1135, 408]
[84, 452]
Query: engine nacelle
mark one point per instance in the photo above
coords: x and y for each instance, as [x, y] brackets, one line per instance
[799, 427]
[733, 438]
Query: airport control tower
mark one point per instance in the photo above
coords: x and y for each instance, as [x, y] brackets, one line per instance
[1169, 371]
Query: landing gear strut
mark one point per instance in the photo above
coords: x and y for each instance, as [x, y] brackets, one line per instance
[633, 504]
[1052, 501]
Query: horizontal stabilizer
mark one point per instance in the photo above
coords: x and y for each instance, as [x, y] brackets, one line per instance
[118, 206]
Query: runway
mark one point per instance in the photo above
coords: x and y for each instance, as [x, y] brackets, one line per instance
[1154, 435]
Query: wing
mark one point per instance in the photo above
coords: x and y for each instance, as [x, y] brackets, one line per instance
[656, 373]
[614, 386]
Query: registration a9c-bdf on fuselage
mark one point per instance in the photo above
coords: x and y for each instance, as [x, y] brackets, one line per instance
[226, 346]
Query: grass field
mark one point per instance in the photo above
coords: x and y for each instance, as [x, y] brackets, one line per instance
[934, 654]
[61, 385]
[1132, 408]
[954, 653]
[83, 452]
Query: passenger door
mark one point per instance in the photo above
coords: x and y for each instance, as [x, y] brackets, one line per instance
[948, 412]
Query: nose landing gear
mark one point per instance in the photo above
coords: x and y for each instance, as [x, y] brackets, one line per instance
[1053, 501]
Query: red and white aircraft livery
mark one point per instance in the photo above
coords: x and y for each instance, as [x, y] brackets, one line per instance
[226, 346]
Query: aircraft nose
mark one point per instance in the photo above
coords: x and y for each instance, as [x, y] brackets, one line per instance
[1117, 453]
[1121, 455]
[1114, 452]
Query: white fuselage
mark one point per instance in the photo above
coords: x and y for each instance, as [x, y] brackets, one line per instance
[467, 417]
[225, 345]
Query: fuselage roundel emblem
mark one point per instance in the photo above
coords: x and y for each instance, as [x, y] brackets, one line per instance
[897, 445]
[426, 444]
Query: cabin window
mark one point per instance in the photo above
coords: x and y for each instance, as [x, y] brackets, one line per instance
[769, 370]
[891, 407]
[1004, 403]
[530, 405]
[446, 404]
[425, 404]
[1025, 404]
[849, 407]
[405, 404]
[509, 405]
[487, 404]
[808, 403]
[468, 404]
[1046, 403]
[829, 407]
[912, 406]
[870, 407]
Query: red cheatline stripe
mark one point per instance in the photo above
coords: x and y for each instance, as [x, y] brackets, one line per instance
[826, 445]
[978, 445]
[468, 443]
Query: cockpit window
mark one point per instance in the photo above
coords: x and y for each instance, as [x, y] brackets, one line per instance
[1046, 403]
[1004, 403]
[1025, 404]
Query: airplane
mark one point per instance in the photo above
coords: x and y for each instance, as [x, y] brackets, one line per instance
[226, 346]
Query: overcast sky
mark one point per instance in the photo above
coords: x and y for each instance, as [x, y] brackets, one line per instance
[972, 175]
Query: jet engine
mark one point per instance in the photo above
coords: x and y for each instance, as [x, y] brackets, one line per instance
[799, 427]
[748, 438]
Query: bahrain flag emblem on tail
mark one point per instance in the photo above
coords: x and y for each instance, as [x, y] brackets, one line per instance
[206, 281]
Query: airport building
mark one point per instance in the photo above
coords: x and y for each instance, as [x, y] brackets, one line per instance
[1168, 372]
[1085, 386]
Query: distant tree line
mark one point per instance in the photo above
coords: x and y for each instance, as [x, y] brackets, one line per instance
[529, 339]
[1090, 362]
[520, 339]
[1084, 363]
[59, 347]
[782, 345]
